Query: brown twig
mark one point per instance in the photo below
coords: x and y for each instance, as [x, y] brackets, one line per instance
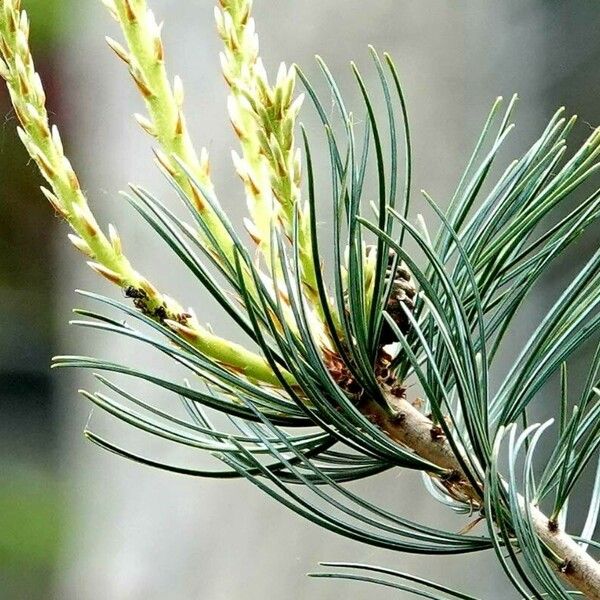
[406, 425]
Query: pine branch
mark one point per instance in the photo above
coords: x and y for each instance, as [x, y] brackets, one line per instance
[409, 427]
[264, 119]
[105, 253]
[341, 366]
[145, 59]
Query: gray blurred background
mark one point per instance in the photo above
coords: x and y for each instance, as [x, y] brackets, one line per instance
[77, 523]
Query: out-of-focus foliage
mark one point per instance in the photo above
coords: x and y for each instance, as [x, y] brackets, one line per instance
[31, 517]
[31, 496]
[50, 19]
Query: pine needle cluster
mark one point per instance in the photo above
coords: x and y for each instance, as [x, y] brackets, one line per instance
[330, 397]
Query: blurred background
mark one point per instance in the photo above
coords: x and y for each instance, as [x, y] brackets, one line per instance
[77, 523]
